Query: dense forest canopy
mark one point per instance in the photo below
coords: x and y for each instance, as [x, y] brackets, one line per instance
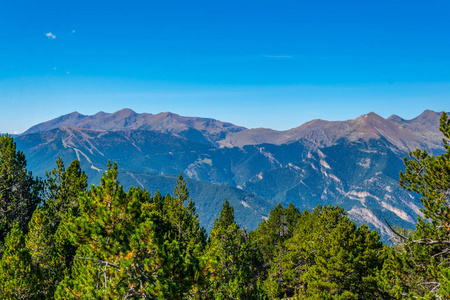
[60, 239]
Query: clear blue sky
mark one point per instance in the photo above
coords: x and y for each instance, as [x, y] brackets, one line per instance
[255, 63]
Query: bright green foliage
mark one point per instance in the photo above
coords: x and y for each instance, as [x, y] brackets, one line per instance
[346, 261]
[62, 190]
[180, 224]
[289, 261]
[419, 265]
[328, 257]
[18, 276]
[40, 242]
[233, 260]
[64, 187]
[226, 217]
[279, 227]
[48, 242]
[180, 212]
[19, 191]
[270, 237]
[122, 251]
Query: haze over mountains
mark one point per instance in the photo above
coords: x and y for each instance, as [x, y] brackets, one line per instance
[352, 163]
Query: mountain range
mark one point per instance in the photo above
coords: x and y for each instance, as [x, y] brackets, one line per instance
[353, 163]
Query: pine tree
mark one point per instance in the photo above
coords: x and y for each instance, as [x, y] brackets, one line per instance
[45, 254]
[270, 237]
[276, 229]
[19, 278]
[180, 212]
[418, 265]
[226, 217]
[51, 251]
[19, 191]
[123, 252]
[62, 190]
[346, 259]
[328, 257]
[233, 260]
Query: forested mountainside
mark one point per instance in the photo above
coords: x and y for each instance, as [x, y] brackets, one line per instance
[60, 239]
[354, 163]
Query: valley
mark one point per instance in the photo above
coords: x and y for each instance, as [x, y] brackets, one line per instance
[354, 163]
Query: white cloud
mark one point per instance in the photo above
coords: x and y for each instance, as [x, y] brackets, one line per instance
[278, 56]
[50, 35]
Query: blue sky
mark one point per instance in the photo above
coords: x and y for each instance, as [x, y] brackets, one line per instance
[273, 64]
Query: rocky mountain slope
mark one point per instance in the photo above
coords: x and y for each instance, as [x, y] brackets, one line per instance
[197, 129]
[404, 135]
[352, 163]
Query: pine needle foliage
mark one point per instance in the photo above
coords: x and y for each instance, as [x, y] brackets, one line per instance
[418, 265]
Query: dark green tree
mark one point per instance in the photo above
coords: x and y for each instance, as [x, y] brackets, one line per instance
[346, 259]
[45, 253]
[233, 260]
[19, 191]
[418, 265]
[328, 257]
[62, 191]
[123, 251]
[19, 278]
[270, 237]
[226, 217]
[180, 212]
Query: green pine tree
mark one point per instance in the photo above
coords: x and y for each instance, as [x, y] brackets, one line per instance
[19, 278]
[233, 260]
[328, 257]
[418, 265]
[40, 242]
[19, 191]
[62, 191]
[123, 250]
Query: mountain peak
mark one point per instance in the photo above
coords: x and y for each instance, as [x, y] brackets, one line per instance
[428, 114]
[168, 114]
[72, 115]
[427, 117]
[374, 115]
[396, 119]
[126, 112]
[369, 117]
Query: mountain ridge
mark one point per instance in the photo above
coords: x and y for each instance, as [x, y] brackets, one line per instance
[405, 135]
[206, 130]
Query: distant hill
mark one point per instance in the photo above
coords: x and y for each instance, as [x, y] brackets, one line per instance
[196, 129]
[354, 163]
[404, 135]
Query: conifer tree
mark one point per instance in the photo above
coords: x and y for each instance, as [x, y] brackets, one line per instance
[62, 190]
[418, 265]
[280, 225]
[233, 260]
[123, 253]
[346, 259]
[19, 191]
[328, 257]
[226, 217]
[270, 237]
[45, 254]
[180, 212]
[19, 279]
